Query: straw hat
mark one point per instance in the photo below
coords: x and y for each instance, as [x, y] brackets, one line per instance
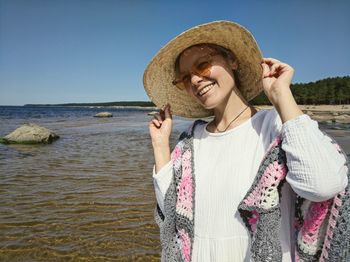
[160, 72]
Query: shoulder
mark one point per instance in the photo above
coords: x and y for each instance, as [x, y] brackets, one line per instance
[195, 125]
[199, 123]
[271, 123]
[271, 115]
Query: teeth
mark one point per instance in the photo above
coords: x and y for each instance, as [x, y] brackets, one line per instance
[205, 89]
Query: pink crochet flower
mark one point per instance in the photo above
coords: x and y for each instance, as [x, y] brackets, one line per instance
[184, 198]
[176, 153]
[273, 174]
[253, 221]
[186, 163]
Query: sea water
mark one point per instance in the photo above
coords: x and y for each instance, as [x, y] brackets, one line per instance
[88, 196]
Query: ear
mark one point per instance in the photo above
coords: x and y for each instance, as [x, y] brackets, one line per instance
[234, 65]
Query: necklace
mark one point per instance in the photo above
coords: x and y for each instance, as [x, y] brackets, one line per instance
[220, 131]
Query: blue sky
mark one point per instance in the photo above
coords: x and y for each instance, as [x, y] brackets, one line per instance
[95, 51]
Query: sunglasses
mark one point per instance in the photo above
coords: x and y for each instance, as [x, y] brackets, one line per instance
[200, 68]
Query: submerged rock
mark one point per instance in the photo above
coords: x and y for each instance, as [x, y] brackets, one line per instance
[30, 134]
[104, 114]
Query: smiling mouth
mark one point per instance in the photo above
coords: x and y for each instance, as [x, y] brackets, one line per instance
[205, 89]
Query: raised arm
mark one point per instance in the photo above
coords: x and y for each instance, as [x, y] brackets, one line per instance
[316, 170]
[160, 130]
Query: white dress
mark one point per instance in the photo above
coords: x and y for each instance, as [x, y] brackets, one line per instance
[225, 166]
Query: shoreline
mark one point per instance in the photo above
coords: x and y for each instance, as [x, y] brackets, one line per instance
[319, 108]
[325, 113]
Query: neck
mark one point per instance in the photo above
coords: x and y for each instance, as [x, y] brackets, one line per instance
[230, 108]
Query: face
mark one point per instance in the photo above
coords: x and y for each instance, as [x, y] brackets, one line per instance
[207, 76]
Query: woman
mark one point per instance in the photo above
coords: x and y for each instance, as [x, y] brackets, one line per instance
[221, 192]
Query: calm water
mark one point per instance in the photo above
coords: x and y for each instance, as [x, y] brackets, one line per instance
[88, 196]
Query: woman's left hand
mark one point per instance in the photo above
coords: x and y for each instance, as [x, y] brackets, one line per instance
[277, 77]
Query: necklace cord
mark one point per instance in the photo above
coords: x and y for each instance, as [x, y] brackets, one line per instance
[221, 131]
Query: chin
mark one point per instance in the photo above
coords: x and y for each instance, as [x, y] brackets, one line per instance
[208, 105]
[210, 102]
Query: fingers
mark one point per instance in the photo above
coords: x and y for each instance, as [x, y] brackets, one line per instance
[163, 115]
[158, 117]
[269, 66]
[155, 122]
[165, 112]
[270, 60]
[266, 70]
[273, 67]
[168, 113]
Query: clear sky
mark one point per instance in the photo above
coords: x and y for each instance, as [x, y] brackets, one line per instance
[61, 51]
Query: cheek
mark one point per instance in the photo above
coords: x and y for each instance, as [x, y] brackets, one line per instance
[222, 77]
[190, 92]
[218, 73]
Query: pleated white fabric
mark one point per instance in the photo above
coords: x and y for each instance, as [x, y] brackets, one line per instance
[225, 166]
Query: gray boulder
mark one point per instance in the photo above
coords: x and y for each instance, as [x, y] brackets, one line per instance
[310, 113]
[152, 113]
[344, 119]
[104, 114]
[30, 134]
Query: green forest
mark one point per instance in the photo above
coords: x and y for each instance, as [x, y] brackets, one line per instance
[328, 91]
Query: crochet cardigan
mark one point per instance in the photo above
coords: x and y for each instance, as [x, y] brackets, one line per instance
[322, 229]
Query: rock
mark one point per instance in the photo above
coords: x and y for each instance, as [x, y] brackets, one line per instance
[104, 114]
[335, 114]
[345, 119]
[309, 113]
[152, 113]
[30, 134]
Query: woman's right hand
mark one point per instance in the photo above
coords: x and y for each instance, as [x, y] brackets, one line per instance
[160, 127]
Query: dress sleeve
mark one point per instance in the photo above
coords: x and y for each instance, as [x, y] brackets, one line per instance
[316, 170]
[161, 181]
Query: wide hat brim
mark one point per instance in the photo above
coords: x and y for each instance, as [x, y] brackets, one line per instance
[160, 72]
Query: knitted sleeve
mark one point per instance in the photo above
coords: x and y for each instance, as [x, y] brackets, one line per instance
[316, 171]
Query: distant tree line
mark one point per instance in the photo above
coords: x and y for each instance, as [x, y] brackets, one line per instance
[329, 91]
[121, 103]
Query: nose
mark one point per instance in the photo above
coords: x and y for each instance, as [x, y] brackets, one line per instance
[196, 79]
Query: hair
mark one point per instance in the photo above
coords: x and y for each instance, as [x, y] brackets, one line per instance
[227, 54]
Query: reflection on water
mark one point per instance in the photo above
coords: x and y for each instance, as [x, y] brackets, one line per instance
[88, 196]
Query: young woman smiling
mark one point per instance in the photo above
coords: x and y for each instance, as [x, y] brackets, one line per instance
[231, 187]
